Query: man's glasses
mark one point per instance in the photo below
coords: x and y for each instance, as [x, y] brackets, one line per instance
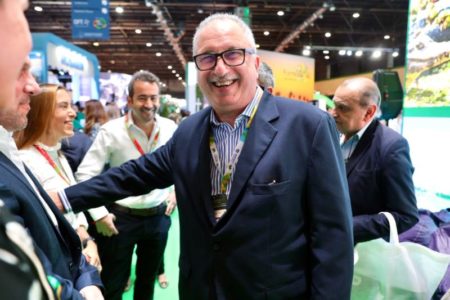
[232, 58]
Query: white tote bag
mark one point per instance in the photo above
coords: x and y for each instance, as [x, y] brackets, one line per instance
[396, 271]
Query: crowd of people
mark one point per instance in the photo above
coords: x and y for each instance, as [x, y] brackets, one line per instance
[271, 198]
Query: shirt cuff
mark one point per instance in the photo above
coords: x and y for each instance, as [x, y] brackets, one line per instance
[65, 201]
[98, 213]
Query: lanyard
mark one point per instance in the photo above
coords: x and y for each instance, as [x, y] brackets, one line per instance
[52, 163]
[226, 178]
[135, 141]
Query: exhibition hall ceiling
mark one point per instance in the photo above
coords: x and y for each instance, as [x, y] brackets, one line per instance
[167, 27]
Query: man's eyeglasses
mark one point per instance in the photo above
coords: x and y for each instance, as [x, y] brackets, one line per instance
[232, 58]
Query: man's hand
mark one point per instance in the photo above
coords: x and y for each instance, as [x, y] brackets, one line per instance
[91, 292]
[91, 254]
[171, 203]
[105, 225]
[57, 201]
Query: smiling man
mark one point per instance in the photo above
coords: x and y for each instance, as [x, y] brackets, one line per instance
[136, 222]
[260, 184]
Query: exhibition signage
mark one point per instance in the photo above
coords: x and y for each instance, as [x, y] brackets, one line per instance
[293, 74]
[90, 20]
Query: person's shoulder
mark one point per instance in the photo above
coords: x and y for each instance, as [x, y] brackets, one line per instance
[114, 124]
[28, 154]
[165, 121]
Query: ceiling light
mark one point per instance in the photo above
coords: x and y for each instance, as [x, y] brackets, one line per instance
[148, 44]
[38, 8]
[96, 44]
[327, 34]
[119, 9]
[138, 31]
[326, 57]
[325, 52]
[332, 7]
[112, 62]
[266, 33]
[199, 11]
[387, 36]
[306, 52]
[356, 15]
[158, 54]
[109, 71]
[173, 71]
[308, 47]
[179, 78]
[341, 52]
[358, 53]
[280, 13]
[349, 53]
[169, 67]
[257, 46]
[395, 54]
[376, 54]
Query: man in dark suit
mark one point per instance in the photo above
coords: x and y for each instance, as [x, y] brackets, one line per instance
[56, 243]
[379, 169]
[260, 183]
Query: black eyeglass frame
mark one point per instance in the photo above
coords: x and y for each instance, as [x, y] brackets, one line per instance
[217, 55]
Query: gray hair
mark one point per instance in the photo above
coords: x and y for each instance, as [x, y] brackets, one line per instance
[222, 17]
[265, 76]
[145, 76]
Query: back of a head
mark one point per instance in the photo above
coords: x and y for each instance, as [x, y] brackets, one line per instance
[265, 76]
[95, 114]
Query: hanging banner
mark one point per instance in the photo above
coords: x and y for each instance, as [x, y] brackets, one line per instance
[90, 20]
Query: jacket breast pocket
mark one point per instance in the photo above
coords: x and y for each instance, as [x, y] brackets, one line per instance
[272, 188]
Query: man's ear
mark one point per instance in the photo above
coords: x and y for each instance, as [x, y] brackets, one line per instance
[257, 62]
[129, 100]
[370, 113]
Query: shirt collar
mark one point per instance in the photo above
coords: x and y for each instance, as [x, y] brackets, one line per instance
[246, 113]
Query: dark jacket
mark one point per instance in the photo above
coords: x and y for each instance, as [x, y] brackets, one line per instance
[379, 174]
[58, 248]
[287, 232]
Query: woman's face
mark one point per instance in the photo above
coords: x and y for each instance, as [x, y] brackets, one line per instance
[62, 119]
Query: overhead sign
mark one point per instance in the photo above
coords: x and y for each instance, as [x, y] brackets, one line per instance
[90, 20]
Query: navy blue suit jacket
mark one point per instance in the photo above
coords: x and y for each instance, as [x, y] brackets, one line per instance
[59, 251]
[379, 174]
[287, 232]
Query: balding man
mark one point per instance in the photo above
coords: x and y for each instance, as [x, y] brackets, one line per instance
[378, 165]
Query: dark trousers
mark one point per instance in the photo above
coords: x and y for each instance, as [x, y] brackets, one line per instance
[149, 235]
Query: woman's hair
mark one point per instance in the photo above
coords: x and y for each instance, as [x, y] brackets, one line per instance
[40, 116]
[95, 113]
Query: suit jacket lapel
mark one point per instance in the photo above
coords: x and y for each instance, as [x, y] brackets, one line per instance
[203, 174]
[361, 148]
[12, 168]
[259, 138]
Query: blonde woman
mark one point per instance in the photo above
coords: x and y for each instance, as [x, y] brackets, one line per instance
[49, 121]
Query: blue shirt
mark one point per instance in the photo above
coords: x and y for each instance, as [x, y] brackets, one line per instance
[226, 138]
